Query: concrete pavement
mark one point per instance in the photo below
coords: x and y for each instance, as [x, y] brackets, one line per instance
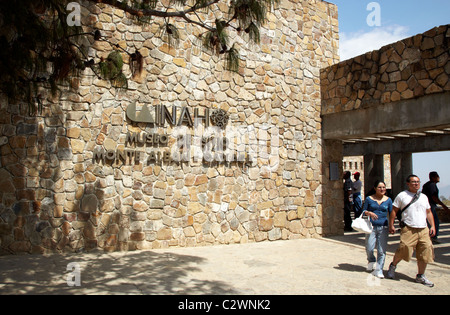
[310, 266]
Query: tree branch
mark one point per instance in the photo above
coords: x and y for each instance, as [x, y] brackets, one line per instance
[148, 12]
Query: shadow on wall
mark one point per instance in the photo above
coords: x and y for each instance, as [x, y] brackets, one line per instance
[30, 177]
[49, 199]
[44, 183]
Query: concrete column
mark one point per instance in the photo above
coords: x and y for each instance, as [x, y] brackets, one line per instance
[401, 168]
[373, 170]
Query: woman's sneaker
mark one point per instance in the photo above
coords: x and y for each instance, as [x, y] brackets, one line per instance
[421, 279]
[378, 273]
[370, 266]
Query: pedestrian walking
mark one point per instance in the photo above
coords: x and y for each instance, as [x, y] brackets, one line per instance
[348, 200]
[432, 192]
[414, 233]
[378, 207]
[356, 190]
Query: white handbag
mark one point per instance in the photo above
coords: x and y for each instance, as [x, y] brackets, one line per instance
[362, 225]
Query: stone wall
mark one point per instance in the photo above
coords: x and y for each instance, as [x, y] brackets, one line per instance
[73, 177]
[407, 69]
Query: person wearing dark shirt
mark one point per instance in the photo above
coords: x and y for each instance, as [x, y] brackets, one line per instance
[348, 200]
[432, 192]
[356, 190]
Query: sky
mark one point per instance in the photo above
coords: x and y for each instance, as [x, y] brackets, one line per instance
[398, 19]
[369, 25]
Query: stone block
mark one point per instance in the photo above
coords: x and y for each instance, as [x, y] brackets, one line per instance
[164, 234]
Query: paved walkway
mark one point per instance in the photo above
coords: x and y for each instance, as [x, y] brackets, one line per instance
[309, 266]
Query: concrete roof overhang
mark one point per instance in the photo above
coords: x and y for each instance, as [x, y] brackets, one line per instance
[414, 125]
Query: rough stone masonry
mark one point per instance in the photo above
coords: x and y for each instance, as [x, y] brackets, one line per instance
[56, 196]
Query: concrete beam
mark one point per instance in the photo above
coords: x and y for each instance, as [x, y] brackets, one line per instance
[424, 113]
[416, 144]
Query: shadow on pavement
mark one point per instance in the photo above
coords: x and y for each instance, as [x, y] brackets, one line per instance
[134, 273]
[441, 251]
[358, 268]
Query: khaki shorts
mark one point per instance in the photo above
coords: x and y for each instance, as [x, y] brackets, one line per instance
[419, 239]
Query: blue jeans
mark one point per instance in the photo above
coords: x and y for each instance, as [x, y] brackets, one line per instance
[378, 238]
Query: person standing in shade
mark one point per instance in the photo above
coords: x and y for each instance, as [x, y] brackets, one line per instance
[432, 192]
[378, 207]
[356, 190]
[414, 233]
[348, 200]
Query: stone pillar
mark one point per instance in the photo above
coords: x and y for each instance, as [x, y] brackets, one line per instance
[401, 168]
[373, 170]
[332, 189]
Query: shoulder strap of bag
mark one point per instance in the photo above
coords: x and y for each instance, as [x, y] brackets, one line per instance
[415, 198]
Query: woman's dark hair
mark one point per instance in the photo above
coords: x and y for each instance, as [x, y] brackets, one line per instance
[373, 190]
[377, 182]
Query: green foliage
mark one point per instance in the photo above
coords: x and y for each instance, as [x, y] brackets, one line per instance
[217, 39]
[38, 48]
[249, 16]
[232, 62]
[111, 69]
[171, 33]
[250, 11]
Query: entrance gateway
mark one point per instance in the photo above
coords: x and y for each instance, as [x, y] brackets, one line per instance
[394, 101]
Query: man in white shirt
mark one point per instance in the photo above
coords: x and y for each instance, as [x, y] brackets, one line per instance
[415, 233]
